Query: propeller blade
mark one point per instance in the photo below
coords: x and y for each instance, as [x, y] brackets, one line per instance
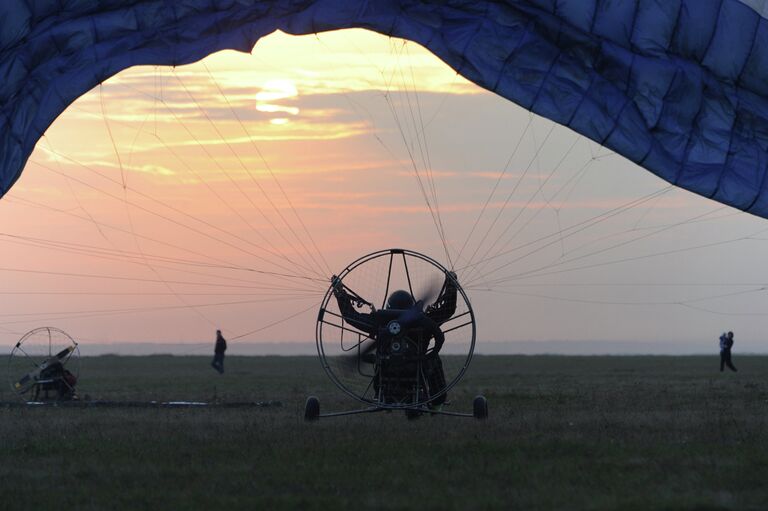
[427, 297]
[429, 294]
[349, 362]
[66, 351]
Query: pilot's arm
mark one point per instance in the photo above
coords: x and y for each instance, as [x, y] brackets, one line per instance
[433, 331]
[445, 305]
[363, 321]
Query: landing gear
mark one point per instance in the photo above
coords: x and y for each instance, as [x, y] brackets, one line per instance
[312, 409]
[480, 408]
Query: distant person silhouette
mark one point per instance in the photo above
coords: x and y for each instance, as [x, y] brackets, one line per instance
[726, 343]
[218, 352]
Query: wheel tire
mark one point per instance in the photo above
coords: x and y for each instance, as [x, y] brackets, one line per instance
[480, 408]
[312, 409]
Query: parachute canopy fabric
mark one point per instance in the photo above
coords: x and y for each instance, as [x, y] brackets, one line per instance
[677, 86]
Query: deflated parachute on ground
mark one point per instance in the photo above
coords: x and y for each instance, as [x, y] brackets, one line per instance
[677, 86]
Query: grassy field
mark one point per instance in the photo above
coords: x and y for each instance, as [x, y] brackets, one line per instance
[564, 433]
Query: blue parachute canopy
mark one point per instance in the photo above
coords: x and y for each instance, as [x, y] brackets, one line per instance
[677, 86]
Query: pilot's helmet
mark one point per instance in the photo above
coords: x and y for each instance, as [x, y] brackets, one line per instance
[400, 299]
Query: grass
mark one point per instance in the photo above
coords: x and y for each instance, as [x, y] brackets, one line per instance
[587, 433]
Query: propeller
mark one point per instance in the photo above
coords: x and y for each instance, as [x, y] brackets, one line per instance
[34, 375]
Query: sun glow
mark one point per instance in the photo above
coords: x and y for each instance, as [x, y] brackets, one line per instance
[273, 91]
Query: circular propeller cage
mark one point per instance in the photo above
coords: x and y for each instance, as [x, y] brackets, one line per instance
[373, 278]
[36, 351]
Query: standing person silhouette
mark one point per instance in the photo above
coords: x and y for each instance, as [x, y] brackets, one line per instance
[218, 352]
[726, 343]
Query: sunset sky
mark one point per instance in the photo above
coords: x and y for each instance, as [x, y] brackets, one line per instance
[160, 205]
